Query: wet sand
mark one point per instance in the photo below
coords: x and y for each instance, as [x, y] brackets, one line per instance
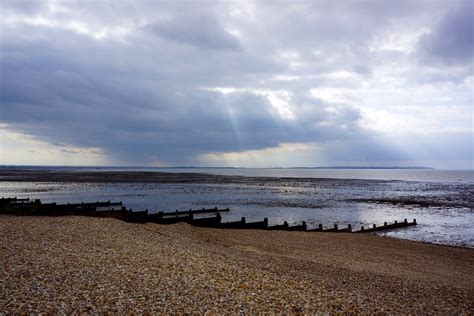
[25, 175]
[79, 264]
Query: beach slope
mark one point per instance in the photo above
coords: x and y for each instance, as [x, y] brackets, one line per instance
[80, 264]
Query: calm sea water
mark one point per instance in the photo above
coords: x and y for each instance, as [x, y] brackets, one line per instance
[380, 174]
[441, 201]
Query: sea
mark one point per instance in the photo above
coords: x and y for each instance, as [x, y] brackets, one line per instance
[441, 201]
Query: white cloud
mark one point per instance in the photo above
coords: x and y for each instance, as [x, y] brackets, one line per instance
[334, 95]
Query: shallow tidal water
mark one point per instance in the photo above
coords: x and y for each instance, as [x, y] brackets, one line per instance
[443, 208]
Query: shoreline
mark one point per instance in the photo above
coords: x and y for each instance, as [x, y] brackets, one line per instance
[424, 242]
[289, 194]
[82, 264]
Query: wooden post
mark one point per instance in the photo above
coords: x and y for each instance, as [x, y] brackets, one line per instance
[243, 220]
[304, 225]
[405, 221]
[349, 226]
[414, 221]
[374, 226]
[320, 226]
[265, 222]
[335, 227]
[362, 228]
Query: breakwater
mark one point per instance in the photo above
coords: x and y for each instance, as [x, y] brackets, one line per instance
[28, 207]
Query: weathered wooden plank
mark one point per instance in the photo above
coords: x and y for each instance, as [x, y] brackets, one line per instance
[387, 226]
[331, 230]
[318, 229]
[242, 224]
[279, 227]
[345, 230]
[257, 225]
[301, 227]
[234, 225]
[207, 222]
[201, 211]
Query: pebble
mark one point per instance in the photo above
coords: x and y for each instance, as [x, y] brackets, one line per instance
[91, 265]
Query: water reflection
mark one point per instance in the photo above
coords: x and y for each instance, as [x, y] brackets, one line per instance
[339, 202]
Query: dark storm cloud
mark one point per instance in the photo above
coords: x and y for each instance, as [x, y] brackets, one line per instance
[121, 111]
[59, 97]
[136, 78]
[452, 39]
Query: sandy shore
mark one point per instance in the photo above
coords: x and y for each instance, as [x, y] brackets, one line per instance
[79, 264]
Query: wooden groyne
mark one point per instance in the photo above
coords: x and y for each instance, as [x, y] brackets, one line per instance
[386, 226]
[201, 211]
[25, 207]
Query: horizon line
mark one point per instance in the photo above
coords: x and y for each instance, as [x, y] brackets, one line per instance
[214, 167]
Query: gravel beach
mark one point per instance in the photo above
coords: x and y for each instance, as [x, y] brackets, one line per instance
[92, 265]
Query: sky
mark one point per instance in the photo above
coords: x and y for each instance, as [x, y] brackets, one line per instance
[237, 83]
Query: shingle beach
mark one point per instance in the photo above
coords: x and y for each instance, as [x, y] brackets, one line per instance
[92, 265]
